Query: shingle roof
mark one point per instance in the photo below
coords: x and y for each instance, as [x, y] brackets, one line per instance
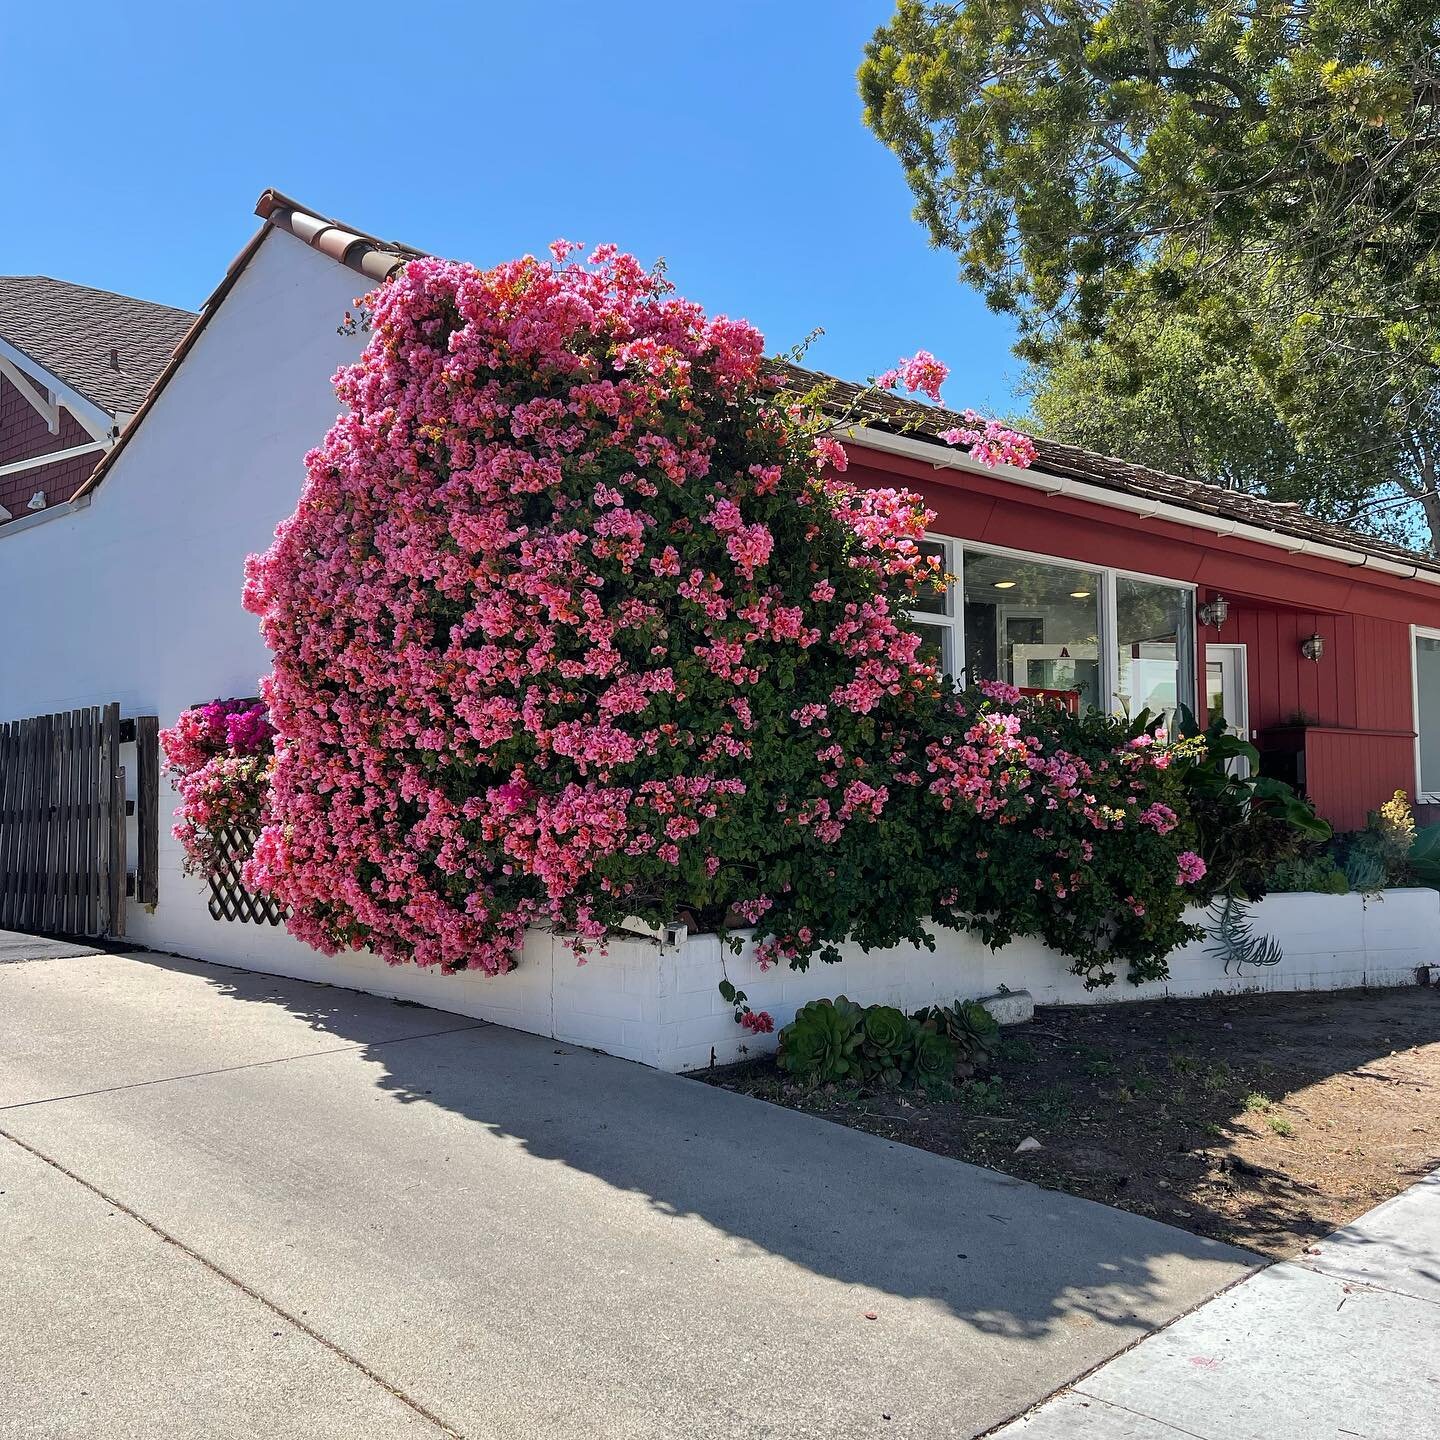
[378, 259]
[70, 330]
[883, 411]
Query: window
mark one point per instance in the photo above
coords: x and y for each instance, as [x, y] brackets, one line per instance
[1155, 647]
[1033, 624]
[934, 612]
[1116, 641]
[1427, 715]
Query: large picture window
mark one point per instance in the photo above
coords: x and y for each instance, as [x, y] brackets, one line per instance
[1113, 641]
[1032, 624]
[1155, 647]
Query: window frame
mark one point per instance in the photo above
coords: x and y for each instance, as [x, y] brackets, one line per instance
[1419, 632]
[953, 620]
[950, 621]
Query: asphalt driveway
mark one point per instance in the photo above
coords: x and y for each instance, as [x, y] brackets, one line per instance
[234, 1205]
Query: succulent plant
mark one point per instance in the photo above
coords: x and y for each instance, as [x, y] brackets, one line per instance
[934, 1057]
[889, 1044]
[821, 1044]
[1365, 868]
[971, 1029]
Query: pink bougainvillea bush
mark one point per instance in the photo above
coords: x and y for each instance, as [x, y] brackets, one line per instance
[219, 758]
[577, 621]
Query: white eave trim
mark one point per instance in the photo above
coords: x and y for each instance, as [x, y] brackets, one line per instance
[40, 400]
[52, 457]
[942, 457]
[39, 517]
[100, 423]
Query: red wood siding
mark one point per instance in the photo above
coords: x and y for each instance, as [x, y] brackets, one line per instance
[1362, 681]
[1349, 773]
[1362, 750]
[23, 434]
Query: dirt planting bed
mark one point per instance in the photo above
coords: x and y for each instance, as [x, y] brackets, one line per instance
[1264, 1120]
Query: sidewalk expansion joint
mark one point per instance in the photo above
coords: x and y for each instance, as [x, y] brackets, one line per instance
[235, 1282]
[248, 1065]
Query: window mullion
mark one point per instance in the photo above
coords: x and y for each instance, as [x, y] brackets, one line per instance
[1109, 645]
[957, 608]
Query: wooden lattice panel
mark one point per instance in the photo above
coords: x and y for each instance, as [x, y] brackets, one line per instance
[229, 898]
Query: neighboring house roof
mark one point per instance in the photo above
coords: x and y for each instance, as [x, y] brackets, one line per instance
[378, 259]
[108, 348]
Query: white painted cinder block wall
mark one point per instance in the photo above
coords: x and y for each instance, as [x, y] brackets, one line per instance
[661, 1005]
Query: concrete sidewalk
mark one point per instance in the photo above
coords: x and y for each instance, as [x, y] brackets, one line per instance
[15, 947]
[237, 1205]
[1339, 1343]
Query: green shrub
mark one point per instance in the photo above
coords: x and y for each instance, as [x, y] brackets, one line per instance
[1315, 874]
[1425, 856]
[1246, 822]
[836, 1042]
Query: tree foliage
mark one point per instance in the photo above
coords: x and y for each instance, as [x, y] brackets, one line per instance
[1172, 389]
[1098, 163]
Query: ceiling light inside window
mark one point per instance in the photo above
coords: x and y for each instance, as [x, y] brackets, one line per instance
[1004, 584]
[1079, 594]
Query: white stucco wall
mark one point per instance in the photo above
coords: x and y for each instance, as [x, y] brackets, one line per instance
[136, 597]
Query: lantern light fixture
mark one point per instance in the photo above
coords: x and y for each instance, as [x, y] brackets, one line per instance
[1215, 612]
[1313, 648]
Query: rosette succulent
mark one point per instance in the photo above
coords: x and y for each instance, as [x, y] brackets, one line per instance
[821, 1044]
[888, 1045]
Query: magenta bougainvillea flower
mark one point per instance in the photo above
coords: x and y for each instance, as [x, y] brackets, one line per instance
[218, 756]
[555, 585]
[577, 620]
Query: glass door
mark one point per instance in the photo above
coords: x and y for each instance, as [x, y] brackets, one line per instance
[1226, 692]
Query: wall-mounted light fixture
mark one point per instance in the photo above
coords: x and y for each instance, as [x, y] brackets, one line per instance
[1215, 612]
[1313, 648]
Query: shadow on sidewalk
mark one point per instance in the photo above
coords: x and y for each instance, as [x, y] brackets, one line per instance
[1004, 1256]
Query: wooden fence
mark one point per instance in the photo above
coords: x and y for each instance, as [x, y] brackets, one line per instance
[63, 808]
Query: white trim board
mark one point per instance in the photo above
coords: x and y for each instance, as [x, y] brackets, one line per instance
[941, 457]
[96, 420]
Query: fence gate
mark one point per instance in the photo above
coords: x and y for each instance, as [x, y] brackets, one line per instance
[63, 830]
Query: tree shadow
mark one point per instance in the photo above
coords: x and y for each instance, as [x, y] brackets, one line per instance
[1396, 1247]
[1248, 1118]
[1005, 1257]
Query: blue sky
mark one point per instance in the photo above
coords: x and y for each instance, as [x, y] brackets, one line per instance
[725, 137]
